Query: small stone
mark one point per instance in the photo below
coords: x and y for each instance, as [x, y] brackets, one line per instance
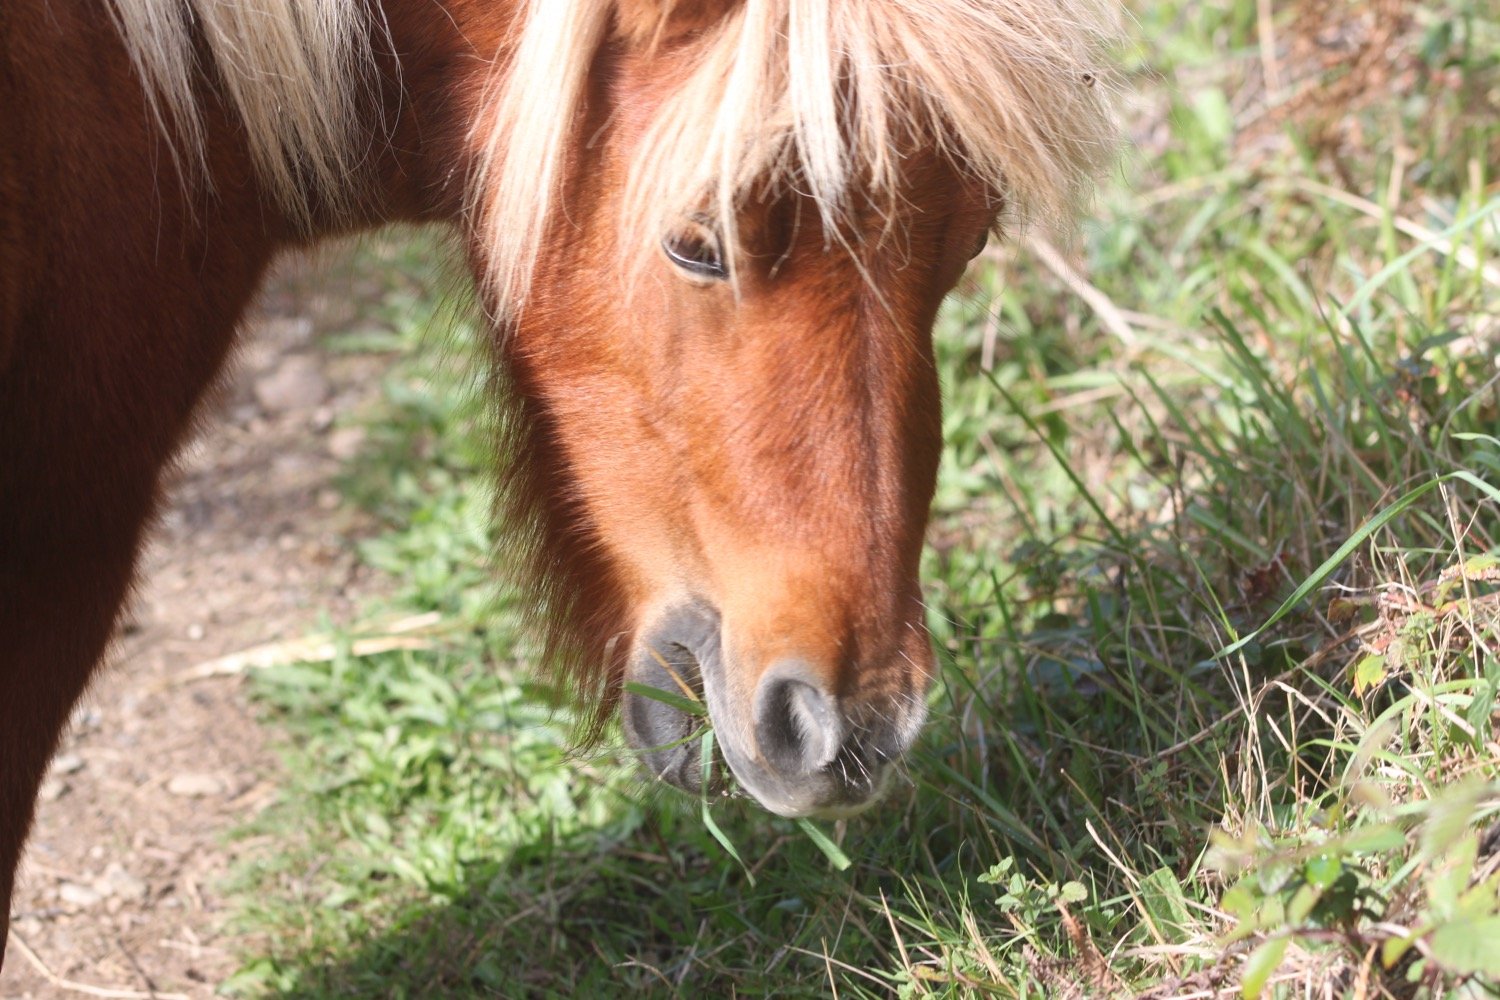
[296, 384]
[67, 763]
[53, 789]
[289, 463]
[345, 442]
[74, 894]
[195, 632]
[87, 717]
[329, 499]
[116, 881]
[195, 786]
[287, 329]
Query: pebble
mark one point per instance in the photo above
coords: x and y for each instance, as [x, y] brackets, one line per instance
[345, 442]
[67, 763]
[195, 786]
[116, 881]
[287, 329]
[296, 384]
[74, 894]
[87, 717]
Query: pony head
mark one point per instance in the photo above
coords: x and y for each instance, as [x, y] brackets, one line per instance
[715, 237]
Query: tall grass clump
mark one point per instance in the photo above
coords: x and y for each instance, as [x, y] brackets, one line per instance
[1213, 573]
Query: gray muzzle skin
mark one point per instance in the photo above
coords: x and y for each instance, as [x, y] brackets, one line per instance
[791, 744]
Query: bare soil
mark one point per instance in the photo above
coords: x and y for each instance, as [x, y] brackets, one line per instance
[121, 892]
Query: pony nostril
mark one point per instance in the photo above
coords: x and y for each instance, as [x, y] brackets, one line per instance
[797, 726]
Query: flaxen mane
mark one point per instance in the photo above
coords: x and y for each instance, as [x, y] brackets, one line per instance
[821, 92]
[293, 70]
[825, 92]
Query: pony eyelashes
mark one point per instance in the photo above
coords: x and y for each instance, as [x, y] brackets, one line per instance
[697, 252]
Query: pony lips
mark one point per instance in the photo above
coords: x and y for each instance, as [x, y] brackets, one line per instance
[808, 733]
[795, 751]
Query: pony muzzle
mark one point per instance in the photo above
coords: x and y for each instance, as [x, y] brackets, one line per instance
[792, 744]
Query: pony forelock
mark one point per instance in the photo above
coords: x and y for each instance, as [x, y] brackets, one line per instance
[828, 95]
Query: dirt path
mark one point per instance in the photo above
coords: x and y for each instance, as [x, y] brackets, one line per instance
[121, 887]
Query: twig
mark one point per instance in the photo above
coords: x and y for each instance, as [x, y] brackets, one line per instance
[1266, 32]
[147, 980]
[315, 649]
[1463, 255]
[1109, 314]
[84, 988]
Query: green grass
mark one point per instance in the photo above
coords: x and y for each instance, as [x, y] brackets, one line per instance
[1300, 364]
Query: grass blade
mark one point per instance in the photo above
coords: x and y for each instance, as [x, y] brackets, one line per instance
[832, 851]
[708, 820]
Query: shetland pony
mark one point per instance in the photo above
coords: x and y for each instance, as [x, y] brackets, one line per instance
[711, 236]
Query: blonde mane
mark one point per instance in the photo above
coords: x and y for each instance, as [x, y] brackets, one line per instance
[293, 70]
[825, 94]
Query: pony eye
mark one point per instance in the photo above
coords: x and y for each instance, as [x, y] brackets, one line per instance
[697, 253]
